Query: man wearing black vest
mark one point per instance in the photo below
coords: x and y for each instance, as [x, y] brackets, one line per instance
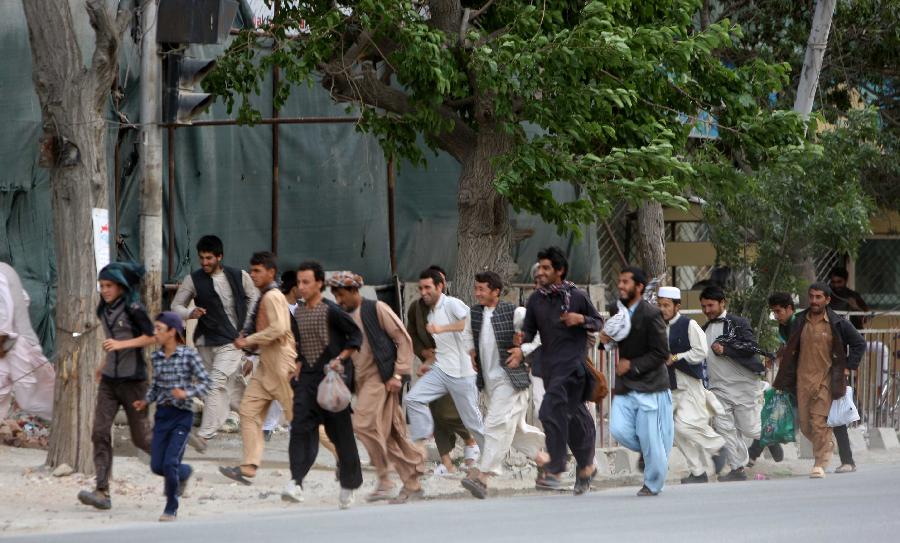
[382, 364]
[223, 297]
[488, 337]
[694, 435]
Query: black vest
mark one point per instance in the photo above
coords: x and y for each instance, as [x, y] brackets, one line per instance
[680, 342]
[214, 326]
[383, 348]
[504, 330]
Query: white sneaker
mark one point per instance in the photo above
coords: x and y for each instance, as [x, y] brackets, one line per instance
[292, 492]
[345, 499]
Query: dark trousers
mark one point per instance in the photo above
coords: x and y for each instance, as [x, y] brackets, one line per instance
[843, 443]
[171, 428]
[565, 418]
[110, 395]
[304, 443]
[447, 424]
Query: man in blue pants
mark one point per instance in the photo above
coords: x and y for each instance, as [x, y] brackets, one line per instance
[178, 376]
[641, 417]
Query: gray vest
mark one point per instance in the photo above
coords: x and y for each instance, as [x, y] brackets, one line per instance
[127, 364]
[502, 323]
[383, 349]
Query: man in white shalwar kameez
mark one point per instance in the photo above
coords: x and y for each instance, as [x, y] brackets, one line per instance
[694, 435]
[23, 368]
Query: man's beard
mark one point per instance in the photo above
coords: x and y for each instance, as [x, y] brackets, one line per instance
[632, 296]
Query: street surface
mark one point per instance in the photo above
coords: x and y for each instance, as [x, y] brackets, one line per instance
[861, 507]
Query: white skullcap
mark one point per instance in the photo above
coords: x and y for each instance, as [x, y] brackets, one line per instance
[673, 293]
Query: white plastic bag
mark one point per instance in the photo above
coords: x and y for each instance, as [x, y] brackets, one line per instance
[843, 411]
[618, 326]
[333, 394]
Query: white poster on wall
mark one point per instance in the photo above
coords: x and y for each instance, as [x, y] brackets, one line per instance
[101, 237]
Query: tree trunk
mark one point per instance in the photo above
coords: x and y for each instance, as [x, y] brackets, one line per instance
[483, 233]
[651, 241]
[72, 100]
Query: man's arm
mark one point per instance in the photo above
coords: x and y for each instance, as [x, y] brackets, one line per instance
[699, 346]
[183, 296]
[200, 387]
[744, 333]
[657, 344]
[391, 324]
[468, 340]
[277, 315]
[252, 294]
[529, 325]
[350, 332]
[592, 319]
[854, 341]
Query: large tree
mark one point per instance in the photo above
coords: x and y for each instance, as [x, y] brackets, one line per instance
[523, 94]
[73, 92]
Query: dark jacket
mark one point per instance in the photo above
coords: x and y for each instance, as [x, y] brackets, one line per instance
[563, 348]
[847, 349]
[504, 330]
[648, 350]
[384, 351]
[214, 326]
[741, 347]
[123, 321]
[416, 321]
[342, 334]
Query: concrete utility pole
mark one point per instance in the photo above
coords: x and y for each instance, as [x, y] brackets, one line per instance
[815, 53]
[806, 90]
[151, 159]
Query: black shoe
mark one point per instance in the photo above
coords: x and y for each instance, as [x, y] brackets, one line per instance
[644, 491]
[267, 435]
[182, 485]
[754, 450]
[719, 461]
[735, 475]
[691, 479]
[641, 463]
[96, 498]
[776, 451]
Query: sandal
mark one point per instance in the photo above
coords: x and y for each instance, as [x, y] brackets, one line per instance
[380, 494]
[548, 482]
[235, 474]
[583, 484]
[476, 487]
[407, 495]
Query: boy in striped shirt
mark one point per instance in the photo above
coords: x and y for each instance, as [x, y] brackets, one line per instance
[178, 377]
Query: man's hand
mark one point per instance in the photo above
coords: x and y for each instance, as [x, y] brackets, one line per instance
[295, 375]
[518, 339]
[427, 354]
[139, 405]
[515, 357]
[110, 345]
[604, 339]
[246, 368]
[672, 359]
[623, 366]
[240, 342]
[179, 394]
[336, 365]
[98, 374]
[572, 319]
[197, 313]
[393, 385]
[3, 339]
[433, 329]
[718, 348]
[423, 369]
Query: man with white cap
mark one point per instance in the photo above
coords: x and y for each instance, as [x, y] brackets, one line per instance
[694, 435]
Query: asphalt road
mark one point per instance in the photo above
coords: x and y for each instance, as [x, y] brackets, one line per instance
[859, 507]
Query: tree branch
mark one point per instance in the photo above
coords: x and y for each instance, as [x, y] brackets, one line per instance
[107, 32]
[368, 89]
[481, 10]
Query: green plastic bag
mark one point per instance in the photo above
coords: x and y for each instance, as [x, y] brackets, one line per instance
[777, 418]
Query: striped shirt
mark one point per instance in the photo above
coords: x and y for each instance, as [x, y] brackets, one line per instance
[184, 370]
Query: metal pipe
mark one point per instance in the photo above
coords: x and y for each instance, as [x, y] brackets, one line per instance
[276, 81]
[392, 225]
[170, 222]
[283, 120]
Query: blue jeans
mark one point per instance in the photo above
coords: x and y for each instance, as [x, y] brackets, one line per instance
[643, 422]
[170, 436]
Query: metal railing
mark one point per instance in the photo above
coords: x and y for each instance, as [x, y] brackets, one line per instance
[876, 384]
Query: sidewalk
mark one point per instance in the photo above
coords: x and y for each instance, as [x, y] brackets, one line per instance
[35, 501]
